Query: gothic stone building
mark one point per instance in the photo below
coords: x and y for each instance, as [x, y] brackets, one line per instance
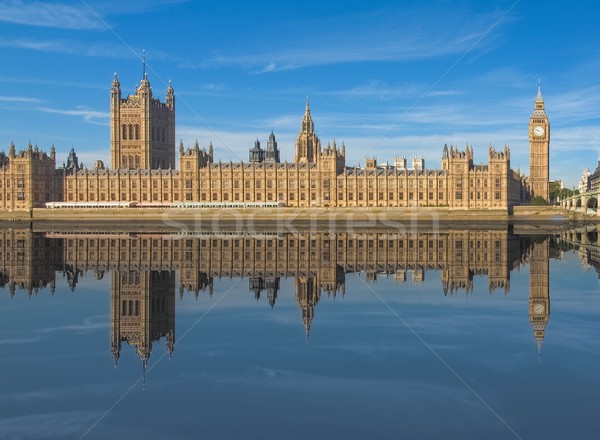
[143, 170]
[29, 179]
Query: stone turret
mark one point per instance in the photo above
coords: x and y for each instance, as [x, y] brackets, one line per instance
[256, 154]
[272, 152]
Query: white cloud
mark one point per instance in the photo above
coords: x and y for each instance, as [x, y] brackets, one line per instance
[379, 90]
[19, 99]
[89, 115]
[49, 14]
[88, 324]
[348, 52]
[68, 47]
[52, 82]
[353, 38]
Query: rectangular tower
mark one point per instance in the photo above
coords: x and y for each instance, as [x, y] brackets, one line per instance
[142, 129]
[28, 179]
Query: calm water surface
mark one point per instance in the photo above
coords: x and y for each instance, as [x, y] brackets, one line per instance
[460, 334]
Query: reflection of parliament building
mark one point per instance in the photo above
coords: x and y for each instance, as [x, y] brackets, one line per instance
[142, 310]
[144, 284]
[143, 169]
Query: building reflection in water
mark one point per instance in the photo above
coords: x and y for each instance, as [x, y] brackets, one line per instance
[142, 310]
[143, 268]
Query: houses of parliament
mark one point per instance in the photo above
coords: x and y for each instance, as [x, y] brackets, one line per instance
[144, 170]
[148, 271]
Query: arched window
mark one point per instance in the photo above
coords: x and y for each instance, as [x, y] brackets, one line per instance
[137, 161]
[137, 132]
[131, 132]
[124, 164]
[131, 162]
[124, 132]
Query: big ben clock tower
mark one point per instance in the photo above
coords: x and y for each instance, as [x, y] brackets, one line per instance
[539, 146]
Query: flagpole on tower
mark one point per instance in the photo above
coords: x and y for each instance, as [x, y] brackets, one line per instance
[143, 63]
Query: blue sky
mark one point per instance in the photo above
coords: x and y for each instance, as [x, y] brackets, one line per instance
[387, 78]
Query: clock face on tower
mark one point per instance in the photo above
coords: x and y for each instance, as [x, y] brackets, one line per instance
[539, 130]
[538, 308]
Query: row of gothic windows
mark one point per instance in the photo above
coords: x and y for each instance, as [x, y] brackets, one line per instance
[131, 132]
[159, 134]
[130, 161]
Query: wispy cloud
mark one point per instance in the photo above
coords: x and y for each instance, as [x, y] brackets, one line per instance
[67, 47]
[576, 105]
[510, 75]
[355, 39]
[206, 89]
[81, 48]
[89, 115]
[317, 55]
[88, 324]
[19, 99]
[54, 82]
[48, 14]
[379, 90]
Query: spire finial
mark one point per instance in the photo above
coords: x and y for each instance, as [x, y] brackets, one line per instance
[307, 105]
[144, 74]
[144, 364]
[539, 93]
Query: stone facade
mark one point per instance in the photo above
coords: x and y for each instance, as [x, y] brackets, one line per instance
[584, 183]
[143, 158]
[142, 129]
[594, 180]
[29, 179]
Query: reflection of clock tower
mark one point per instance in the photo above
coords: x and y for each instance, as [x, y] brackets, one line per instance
[539, 146]
[539, 294]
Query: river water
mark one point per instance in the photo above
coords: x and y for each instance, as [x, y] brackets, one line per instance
[457, 333]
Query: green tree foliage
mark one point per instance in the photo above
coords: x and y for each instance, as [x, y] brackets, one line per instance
[538, 201]
[554, 190]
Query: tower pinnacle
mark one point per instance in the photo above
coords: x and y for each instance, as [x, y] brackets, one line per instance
[539, 93]
[308, 145]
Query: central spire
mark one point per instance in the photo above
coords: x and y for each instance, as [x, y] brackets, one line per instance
[308, 146]
[307, 122]
[539, 93]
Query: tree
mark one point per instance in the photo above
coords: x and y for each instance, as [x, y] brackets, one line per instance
[538, 201]
[554, 190]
